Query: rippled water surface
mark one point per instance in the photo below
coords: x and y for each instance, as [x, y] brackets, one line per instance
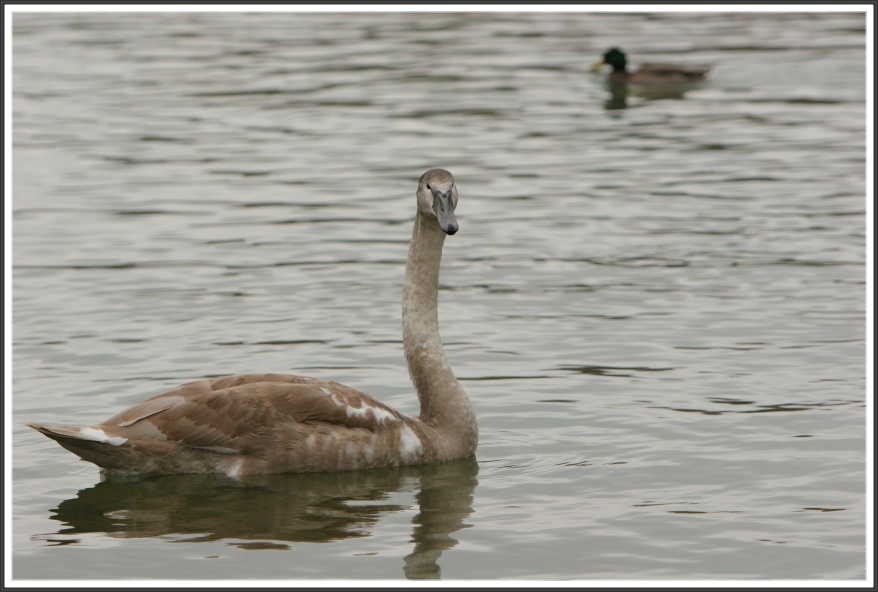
[657, 303]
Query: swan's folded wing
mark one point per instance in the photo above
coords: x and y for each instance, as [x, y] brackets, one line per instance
[230, 419]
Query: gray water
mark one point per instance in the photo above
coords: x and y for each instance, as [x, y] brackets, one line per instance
[656, 303]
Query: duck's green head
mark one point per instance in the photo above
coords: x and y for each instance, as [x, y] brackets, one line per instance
[616, 58]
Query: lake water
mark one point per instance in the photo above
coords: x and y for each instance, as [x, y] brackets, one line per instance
[656, 303]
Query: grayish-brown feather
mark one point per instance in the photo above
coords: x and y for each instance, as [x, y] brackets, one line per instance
[278, 423]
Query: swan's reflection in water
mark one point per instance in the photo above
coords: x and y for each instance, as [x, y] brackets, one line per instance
[270, 512]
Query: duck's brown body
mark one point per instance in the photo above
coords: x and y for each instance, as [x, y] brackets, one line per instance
[277, 423]
[648, 74]
[654, 74]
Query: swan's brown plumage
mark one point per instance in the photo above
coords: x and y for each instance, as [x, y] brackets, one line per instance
[278, 423]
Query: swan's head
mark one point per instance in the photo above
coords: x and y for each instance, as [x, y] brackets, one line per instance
[437, 198]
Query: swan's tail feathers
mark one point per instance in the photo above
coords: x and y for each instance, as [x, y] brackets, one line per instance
[89, 443]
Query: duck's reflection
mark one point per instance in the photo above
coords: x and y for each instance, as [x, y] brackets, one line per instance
[621, 92]
[274, 511]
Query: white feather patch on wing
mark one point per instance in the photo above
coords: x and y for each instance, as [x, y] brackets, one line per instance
[99, 436]
[383, 415]
[380, 415]
[409, 443]
[235, 469]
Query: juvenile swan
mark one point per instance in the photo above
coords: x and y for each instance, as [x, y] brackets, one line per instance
[252, 424]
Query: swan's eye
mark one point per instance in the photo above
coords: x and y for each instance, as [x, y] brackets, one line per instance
[428, 187]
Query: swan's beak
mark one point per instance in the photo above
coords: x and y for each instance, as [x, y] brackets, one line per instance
[444, 211]
[597, 65]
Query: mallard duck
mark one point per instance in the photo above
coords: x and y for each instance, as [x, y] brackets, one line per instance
[648, 74]
[252, 424]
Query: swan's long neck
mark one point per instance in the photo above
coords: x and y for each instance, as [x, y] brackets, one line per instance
[444, 403]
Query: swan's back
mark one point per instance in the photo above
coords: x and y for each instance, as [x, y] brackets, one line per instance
[249, 424]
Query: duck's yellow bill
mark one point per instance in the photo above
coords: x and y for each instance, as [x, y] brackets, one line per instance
[597, 66]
